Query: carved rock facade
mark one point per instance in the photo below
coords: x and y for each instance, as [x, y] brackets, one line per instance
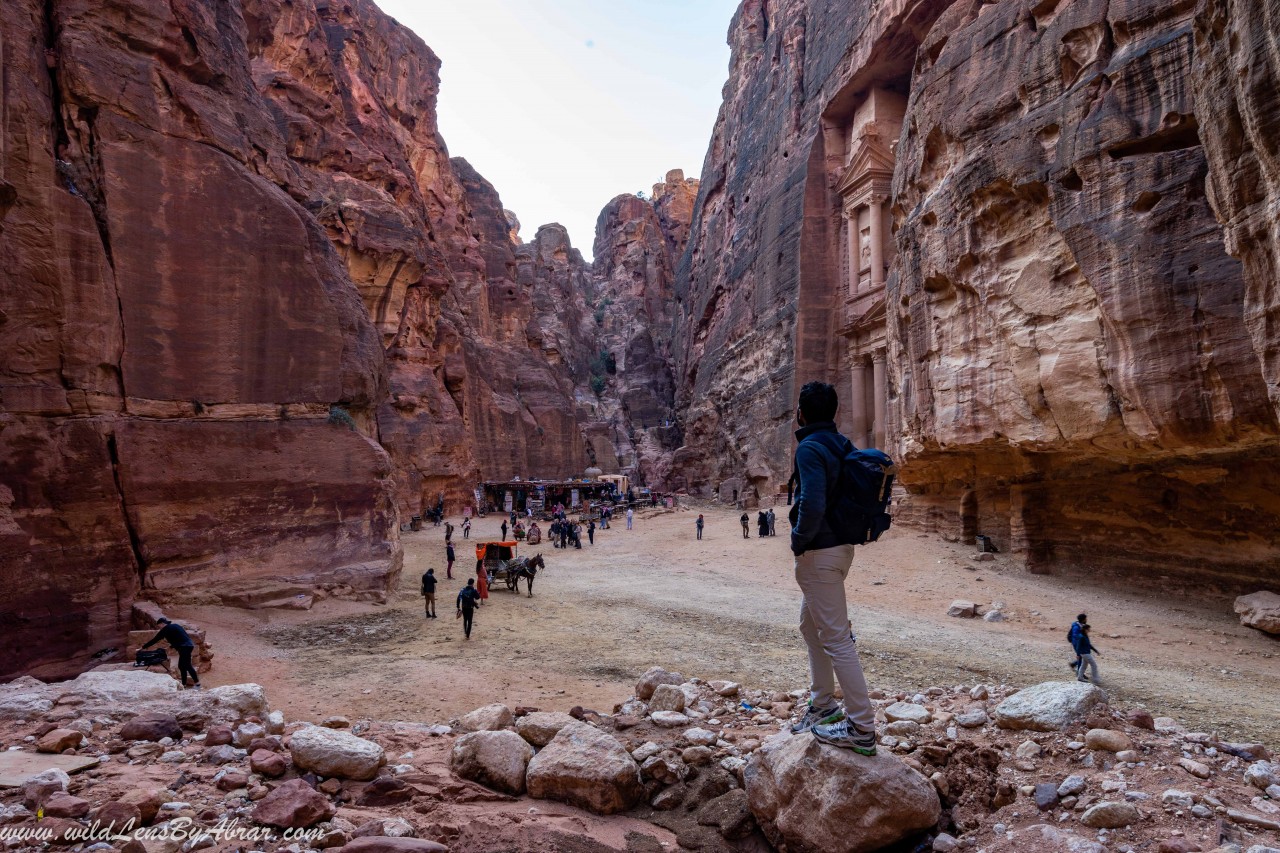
[988, 225]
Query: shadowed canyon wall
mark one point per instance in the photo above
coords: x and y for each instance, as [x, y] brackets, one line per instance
[1032, 243]
[252, 315]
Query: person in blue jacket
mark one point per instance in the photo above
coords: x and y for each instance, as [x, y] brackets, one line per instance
[822, 562]
[1081, 620]
[1086, 650]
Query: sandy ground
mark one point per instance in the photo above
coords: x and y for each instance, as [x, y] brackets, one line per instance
[727, 608]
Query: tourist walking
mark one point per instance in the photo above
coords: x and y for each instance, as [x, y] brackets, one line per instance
[700, 524]
[468, 597]
[630, 516]
[178, 638]
[482, 582]
[1086, 650]
[822, 562]
[466, 528]
[449, 555]
[1072, 634]
[448, 531]
[429, 592]
[564, 534]
[772, 520]
[504, 530]
[746, 526]
[577, 536]
[591, 531]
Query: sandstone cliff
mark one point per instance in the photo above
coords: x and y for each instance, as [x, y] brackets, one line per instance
[178, 326]
[987, 223]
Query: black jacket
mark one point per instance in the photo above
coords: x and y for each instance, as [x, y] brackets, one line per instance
[816, 470]
[428, 584]
[467, 598]
[174, 633]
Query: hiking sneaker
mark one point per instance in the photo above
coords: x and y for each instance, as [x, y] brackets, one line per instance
[846, 735]
[816, 717]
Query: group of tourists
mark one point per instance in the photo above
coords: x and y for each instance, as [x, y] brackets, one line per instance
[765, 524]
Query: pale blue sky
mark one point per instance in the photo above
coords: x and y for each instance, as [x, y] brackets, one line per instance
[563, 104]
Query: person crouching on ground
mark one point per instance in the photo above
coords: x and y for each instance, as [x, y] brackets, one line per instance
[180, 640]
[467, 598]
[822, 563]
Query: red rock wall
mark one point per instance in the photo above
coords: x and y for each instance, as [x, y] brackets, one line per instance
[1078, 366]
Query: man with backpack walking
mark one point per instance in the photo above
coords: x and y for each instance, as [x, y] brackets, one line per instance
[1086, 650]
[823, 555]
[468, 596]
[1073, 634]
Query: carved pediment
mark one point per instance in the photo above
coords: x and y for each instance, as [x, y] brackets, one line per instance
[871, 161]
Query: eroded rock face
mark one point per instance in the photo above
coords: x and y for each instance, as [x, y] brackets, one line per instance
[1065, 312]
[168, 290]
[1073, 350]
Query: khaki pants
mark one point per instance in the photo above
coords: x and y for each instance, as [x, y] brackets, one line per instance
[825, 626]
[430, 603]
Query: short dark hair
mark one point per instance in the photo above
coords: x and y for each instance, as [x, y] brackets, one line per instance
[470, 581]
[818, 402]
[1083, 617]
[162, 621]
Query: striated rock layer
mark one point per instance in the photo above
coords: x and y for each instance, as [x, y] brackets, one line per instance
[1047, 326]
[253, 315]
[177, 327]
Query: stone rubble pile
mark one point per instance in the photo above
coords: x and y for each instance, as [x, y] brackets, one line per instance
[983, 767]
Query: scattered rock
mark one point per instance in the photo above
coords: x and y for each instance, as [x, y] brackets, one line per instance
[1046, 795]
[293, 805]
[119, 814]
[217, 736]
[917, 714]
[700, 737]
[330, 752]
[1051, 706]
[58, 740]
[1195, 768]
[147, 800]
[903, 728]
[1142, 719]
[487, 719]
[1254, 820]
[224, 754]
[1260, 610]
[247, 733]
[336, 722]
[725, 688]
[61, 804]
[697, 755]
[667, 697]
[541, 726]
[38, 789]
[730, 813]
[1262, 774]
[152, 727]
[387, 791]
[993, 616]
[585, 767]
[1177, 845]
[1042, 837]
[495, 759]
[1028, 749]
[230, 780]
[977, 718]
[1071, 786]
[1110, 815]
[809, 797]
[268, 763]
[1107, 740]
[962, 609]
[669, 719]
[652, 678]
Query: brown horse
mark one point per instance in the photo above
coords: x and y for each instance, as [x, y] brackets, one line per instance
[526, 568]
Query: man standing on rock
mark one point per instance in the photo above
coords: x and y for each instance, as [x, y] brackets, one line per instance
[181, 641]
[821, 565]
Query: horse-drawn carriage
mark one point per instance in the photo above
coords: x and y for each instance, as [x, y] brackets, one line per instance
[502, 565]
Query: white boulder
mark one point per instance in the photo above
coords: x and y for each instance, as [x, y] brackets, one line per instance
[332, 752]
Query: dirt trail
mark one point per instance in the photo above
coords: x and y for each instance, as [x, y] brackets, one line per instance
[727, 608]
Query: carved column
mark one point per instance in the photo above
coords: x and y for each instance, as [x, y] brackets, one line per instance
[878, 390]
[877, 240]
[855, 256]
[858, 402]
